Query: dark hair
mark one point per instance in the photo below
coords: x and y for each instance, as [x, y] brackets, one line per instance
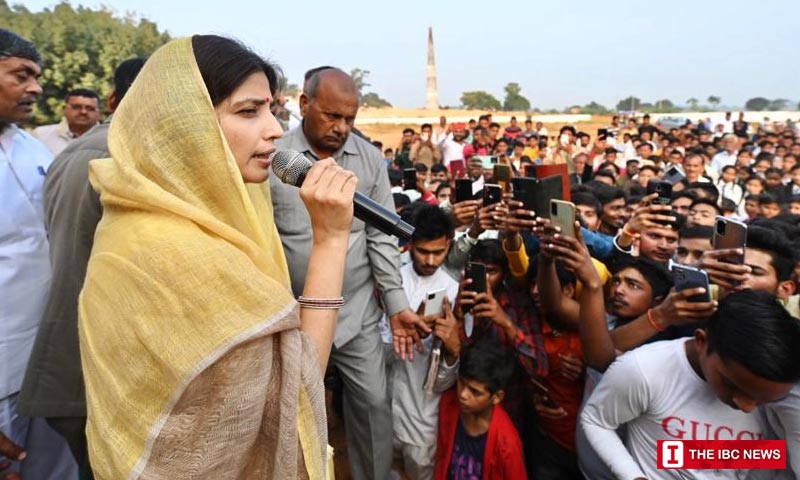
[438, 167]
[401, 200]
[607, 194]
[377, 144]
[494, 125]
[605, 173]
[124, 76]
[773, 170]
[767, 199]
[753, 329]
[684, 194]
[710, 190]
[395, 177]
[609, 165]
[426, 125]
[649, 167]
[431, 223]
[729, 167]
[489, 251]
[588, 199]
[485, 361]
[82, 92]
[705, 201]
[568, 128]
[421, 167]
[774, 242]
[727, 205]
[388, 150]
[441, 187]
[12, 45]
[408, 130]
[697, 231]
[225, 64]
[656, 274]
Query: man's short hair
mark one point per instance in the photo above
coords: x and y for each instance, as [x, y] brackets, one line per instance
[489, 251]
[124, 75]
[706, 201]
[377, 144]
[650, 168]
[606, 193]
[654, 273]
[494, 125]
[438, 168]
[83, 92]
[605, 173]
[774, 242]
[485, 361]
[311, 80]
[408, 130]
[587, 199]
[395, 177]
[767, 199]
[12, 45]
[568, 128]
[709, 188]
[421, 167]
[426, 125]
[752, 328]
[432, 223]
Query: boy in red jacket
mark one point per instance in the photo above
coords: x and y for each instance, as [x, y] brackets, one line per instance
[476, 438]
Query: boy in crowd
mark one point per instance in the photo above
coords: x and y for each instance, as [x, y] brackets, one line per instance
[716, 379]
[768, 206]
[693, 242]
[416, 410]
[476, 437]
[703, 211]
[613, 202]
[588, 208]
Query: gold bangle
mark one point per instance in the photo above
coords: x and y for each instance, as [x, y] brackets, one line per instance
[321, 303]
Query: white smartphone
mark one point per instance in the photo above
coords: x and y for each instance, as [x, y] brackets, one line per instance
[434, 302]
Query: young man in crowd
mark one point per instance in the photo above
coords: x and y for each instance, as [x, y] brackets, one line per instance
[416, 410]
[81, 113]
[476, 436]
[588, 208]
[693, 242]
[703, 211]
[613, 202]
[716, 379]
[402, 155]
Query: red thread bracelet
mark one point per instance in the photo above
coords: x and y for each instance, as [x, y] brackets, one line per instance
[653, 323]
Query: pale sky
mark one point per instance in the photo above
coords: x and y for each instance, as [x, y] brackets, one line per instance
[561, 53]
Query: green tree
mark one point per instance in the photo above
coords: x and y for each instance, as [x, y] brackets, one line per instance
[629, 104]
[778, 104]
[80, 47]
[713, 101]
[374, 100]
[479, 100]
[360, 79]
[757, 104]
[594, 108]
[692, 103]
[514, 101]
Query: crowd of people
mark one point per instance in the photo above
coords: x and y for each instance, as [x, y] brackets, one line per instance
[173, 310]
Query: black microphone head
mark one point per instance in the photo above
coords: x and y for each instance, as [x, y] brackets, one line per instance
[291, 166]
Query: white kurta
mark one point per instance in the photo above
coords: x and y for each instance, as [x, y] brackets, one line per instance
[24, 261]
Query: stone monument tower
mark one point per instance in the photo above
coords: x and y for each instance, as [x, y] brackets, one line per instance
[431, 91]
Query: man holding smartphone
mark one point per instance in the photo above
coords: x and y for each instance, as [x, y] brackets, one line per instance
[416, 411]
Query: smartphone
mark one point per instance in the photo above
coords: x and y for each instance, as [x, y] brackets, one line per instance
[492, 194]
[562, 214]
[477, 273]
[502, 173]
[687, 277]
[524, 190]
[674, 174]
[410, 179]
[663, 189]
[602, 132]
[434, 302]
[729, 233]
[457, 169]
[563, 139]
[464, 190]
[545, 393]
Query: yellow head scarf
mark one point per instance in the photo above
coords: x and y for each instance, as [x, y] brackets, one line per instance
[193, 362]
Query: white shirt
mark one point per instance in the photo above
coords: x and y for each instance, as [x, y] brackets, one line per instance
[24, 261]
[722, 160]
[451, 150]
[730, 190]
[416, 411]
[56, 137]
[658, 395]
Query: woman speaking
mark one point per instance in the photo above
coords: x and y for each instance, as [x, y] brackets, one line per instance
[198, 361]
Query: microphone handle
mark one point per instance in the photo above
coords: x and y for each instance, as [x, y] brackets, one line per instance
[375, 214]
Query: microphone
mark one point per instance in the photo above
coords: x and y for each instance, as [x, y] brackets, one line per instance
[292, 167]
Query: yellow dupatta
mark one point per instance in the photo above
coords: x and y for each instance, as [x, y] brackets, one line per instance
[193, 361]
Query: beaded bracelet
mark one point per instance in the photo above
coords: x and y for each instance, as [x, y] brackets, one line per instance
[653, 323]
[321, 303]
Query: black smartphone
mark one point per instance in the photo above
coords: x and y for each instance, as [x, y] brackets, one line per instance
[729, 233]
[410, 179]
[663, 189]
[524, 189]
[464, 190]
[477, 273]
[492, 194]
[687, 277]
[545, 394]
